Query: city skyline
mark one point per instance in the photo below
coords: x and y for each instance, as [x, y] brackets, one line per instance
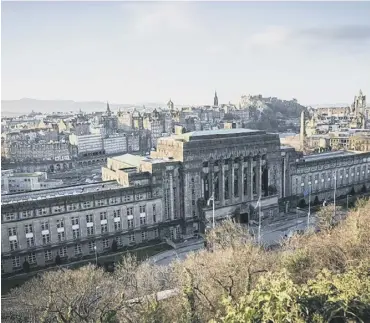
[128, 52]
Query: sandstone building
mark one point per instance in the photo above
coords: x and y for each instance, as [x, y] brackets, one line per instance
[164, 195]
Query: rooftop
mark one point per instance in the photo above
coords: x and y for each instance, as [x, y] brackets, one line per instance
[329, 155]
[58, 192]
[198, 135]
[129, 160]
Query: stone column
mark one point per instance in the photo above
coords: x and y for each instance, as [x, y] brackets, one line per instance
[221, 181]
[241, 178]
[171, 197]
[258, 176]
[202, 184]
[211, 176]
[231, 179]
[250, 179]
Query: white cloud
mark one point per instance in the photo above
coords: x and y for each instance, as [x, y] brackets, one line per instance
[161, 17]
[272, 36]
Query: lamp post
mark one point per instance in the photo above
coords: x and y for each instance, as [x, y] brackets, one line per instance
[309, 205]
[212, 198]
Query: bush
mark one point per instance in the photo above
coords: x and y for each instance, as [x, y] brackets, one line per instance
[310, 278]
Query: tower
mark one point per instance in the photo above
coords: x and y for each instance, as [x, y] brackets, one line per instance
[215, 100]
[359, 103]
[170, 105]
[302, 135]
[109, 113]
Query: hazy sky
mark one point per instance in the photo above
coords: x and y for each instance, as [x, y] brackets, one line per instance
[125, 52]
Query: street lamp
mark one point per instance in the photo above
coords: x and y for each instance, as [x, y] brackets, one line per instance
[96, 256]
[212, 198]
[309, 205]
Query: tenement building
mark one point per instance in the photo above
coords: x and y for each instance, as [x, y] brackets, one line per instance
[169, 195]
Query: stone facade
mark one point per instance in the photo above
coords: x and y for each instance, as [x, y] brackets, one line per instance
[165, 195]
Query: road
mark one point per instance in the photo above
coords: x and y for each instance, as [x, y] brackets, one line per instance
[271, 234]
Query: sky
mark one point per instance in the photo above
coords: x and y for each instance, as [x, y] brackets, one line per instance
[130, 52]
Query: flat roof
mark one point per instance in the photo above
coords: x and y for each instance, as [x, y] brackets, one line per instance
[328, 155]
[197, 135]
[129, 159]
[58, 192]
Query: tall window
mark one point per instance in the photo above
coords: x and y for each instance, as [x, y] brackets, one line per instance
[13, 245]
[130, 211]
[31, 258]
[142, 219]
[90, 231]
[142, 208]
[117, 225]
[89, 218]
[104, 228]
[143, 235]
[78, 249]
[105, 244]
[103, 215]
[76, 233]
[16, 262]
[74, 220]
[60, 223]
[30, 242]
[48, 255]
[28, 228]
[44, 226]
[62, 252]
[130, 223]
[61, 236]
[92, 246]
[154, 214]
[12, 231]
[131, 238]
[46, 238]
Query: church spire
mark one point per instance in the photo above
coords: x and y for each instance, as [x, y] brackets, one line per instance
[108, 109]
[215, 100]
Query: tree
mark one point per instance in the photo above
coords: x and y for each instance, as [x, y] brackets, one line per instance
[316, 200]
[114, 245]
[58, 260]
[302, 203]
[363, 189]
[352, 192]
[26, 266]
[325, 218]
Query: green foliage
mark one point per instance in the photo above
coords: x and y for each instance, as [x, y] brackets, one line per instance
[330, 297]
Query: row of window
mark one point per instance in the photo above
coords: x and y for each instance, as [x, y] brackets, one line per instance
[72, 207]
[75, 232]
[62, 251]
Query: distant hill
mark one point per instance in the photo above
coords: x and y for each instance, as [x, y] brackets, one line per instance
[271, 113]
[24, 106]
